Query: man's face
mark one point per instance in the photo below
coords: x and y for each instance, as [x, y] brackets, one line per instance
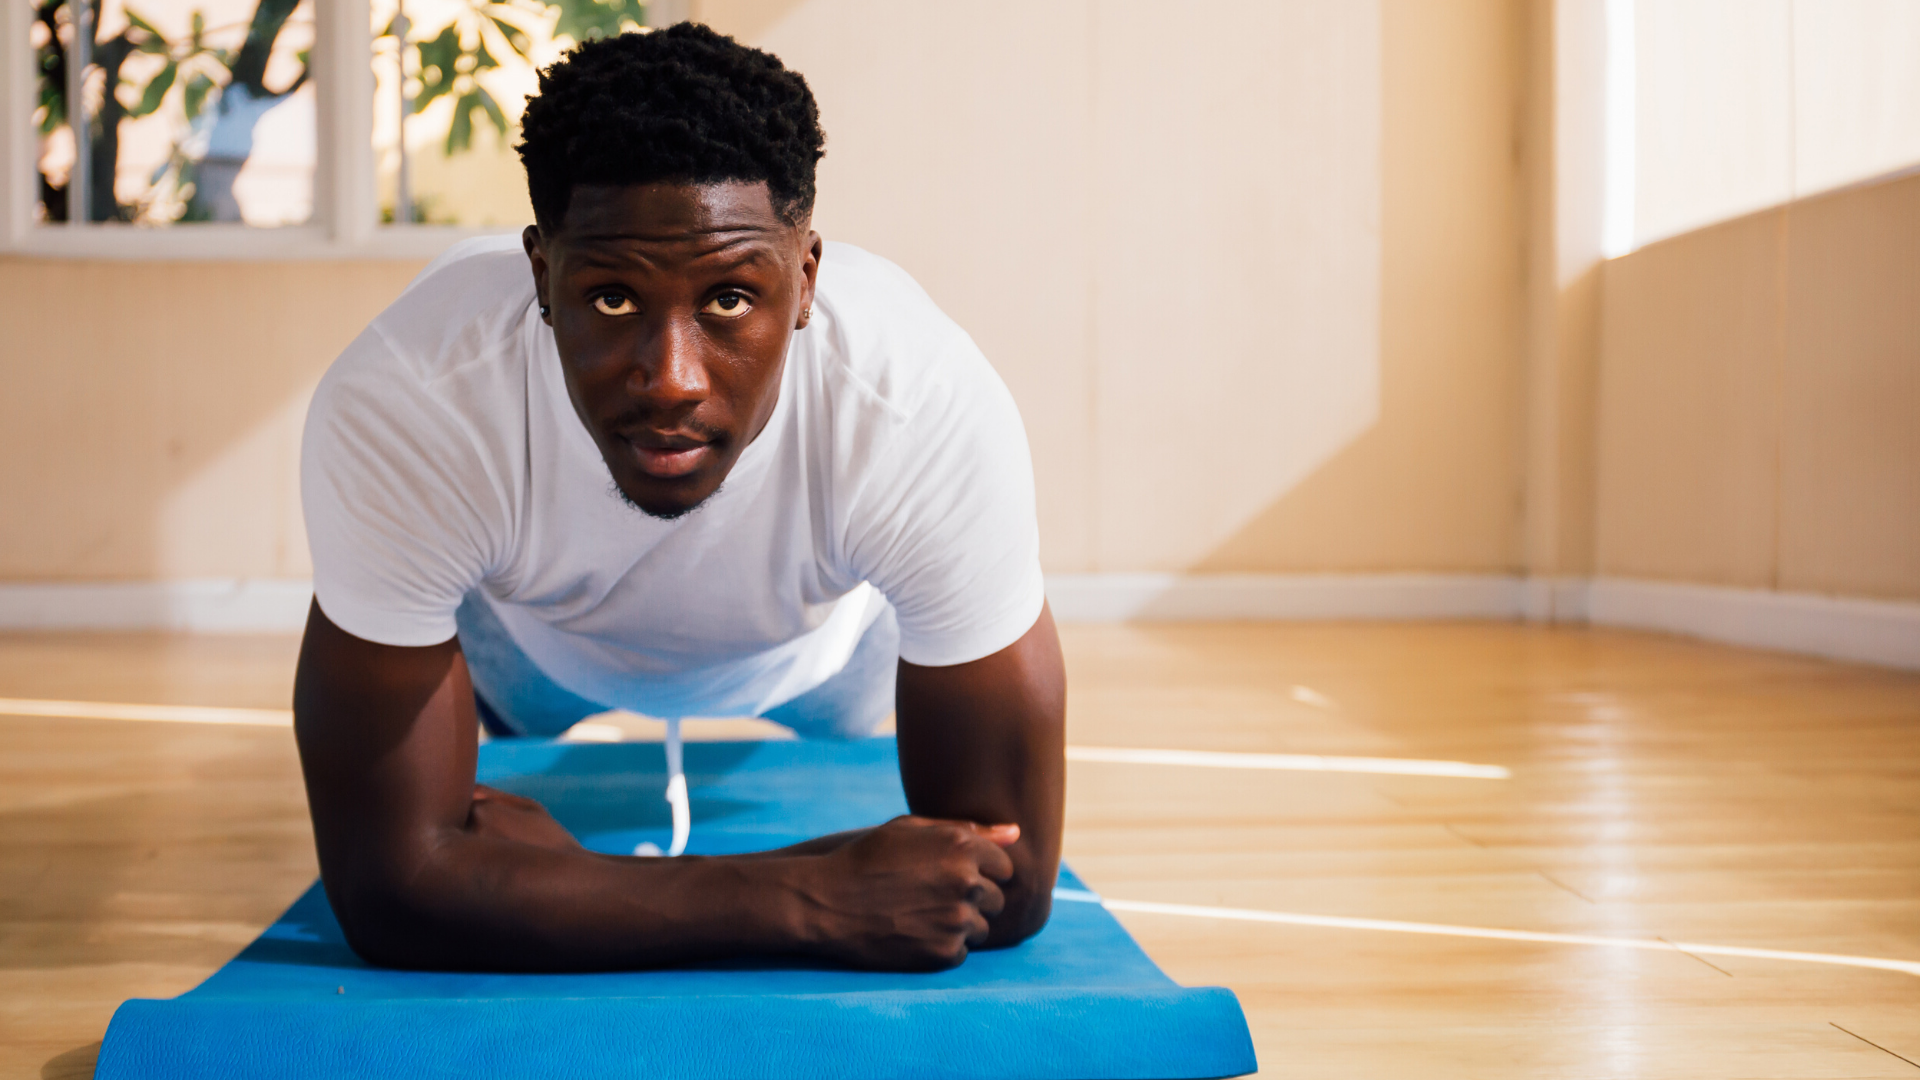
[672, 305]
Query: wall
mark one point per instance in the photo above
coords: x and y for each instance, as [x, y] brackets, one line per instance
[1253, 274]
[150, 425]
[1251, 271]
[1760, 401]
[1563, 150]
[1434, 483]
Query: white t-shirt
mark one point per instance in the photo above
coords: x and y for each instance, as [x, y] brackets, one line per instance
[442, 456]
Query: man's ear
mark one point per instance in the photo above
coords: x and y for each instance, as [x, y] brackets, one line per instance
[810, 271]
[530, 239]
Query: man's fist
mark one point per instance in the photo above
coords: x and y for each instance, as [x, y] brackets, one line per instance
[913, 894]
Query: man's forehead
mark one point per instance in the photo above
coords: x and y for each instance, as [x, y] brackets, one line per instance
[718, 251]
[710, 215]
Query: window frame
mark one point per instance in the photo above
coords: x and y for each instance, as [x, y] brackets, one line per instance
[345, 222]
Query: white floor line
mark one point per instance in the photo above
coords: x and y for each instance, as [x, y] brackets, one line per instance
[171, 714]
[1210, 759]
[1337, 922]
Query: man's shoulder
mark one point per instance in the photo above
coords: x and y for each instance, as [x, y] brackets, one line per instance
[884, 332]
[469, 305]
[451, 344]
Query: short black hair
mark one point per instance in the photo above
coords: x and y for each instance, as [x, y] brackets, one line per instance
[684, 104]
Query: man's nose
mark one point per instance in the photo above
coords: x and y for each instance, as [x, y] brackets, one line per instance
[672, 368]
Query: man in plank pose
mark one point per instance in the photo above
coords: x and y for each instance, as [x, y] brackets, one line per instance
[672, 454]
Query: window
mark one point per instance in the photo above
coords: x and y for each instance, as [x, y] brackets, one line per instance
[274, 128]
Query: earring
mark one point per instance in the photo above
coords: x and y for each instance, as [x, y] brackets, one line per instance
[806, 315]
[545, 310]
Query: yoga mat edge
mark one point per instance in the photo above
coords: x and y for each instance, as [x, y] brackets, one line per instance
[938, 1035]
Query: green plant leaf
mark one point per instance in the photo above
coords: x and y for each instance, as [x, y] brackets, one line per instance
[460, 132]
[194, 97]
[584, 20]
[494, 112]
[516, 38]
[437, 59]
[151, 40]
[482, 59]
[53, 101]
[155, 92]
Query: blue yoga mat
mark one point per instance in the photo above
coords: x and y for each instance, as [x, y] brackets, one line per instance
[1079, 1000]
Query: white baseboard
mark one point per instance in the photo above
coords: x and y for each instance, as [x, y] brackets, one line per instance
[1210, 597]
[206, 605]
[1840, 628]
[1866, 631]
[1555, 599]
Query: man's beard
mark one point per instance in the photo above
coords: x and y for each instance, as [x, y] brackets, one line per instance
[618, 492]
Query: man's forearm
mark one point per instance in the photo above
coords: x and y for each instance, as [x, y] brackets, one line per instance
[911, 894]
[484, 903]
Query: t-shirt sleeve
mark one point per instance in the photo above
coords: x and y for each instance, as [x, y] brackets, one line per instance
[402, 514]
[944, 524]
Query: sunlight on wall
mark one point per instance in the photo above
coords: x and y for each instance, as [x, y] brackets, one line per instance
[1616, 226]
[1746, 104]
[1856, 73]
[1191, 322]
[1236, 271]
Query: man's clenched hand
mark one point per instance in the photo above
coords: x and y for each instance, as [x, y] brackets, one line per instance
[912, 895]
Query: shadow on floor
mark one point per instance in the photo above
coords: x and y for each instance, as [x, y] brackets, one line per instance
[74, 1064]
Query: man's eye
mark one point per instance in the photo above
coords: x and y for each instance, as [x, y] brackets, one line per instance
[730, 305]
[613, 304]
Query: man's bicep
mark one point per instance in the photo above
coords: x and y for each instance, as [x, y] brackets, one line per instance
[387, 742]
[970, 734]
[984, 741]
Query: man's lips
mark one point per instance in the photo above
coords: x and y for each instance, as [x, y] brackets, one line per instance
[669, 458]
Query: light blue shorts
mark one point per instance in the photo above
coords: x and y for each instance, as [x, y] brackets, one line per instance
[516, 698]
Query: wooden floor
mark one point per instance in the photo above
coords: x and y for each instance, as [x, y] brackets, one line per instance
[1659, 789]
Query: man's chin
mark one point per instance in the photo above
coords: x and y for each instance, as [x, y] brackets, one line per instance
[665, 500]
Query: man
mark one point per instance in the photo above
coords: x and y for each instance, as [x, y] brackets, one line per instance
[695, 463]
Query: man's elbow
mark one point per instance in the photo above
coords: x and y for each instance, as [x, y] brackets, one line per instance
[386, 921]
[1020, 922]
